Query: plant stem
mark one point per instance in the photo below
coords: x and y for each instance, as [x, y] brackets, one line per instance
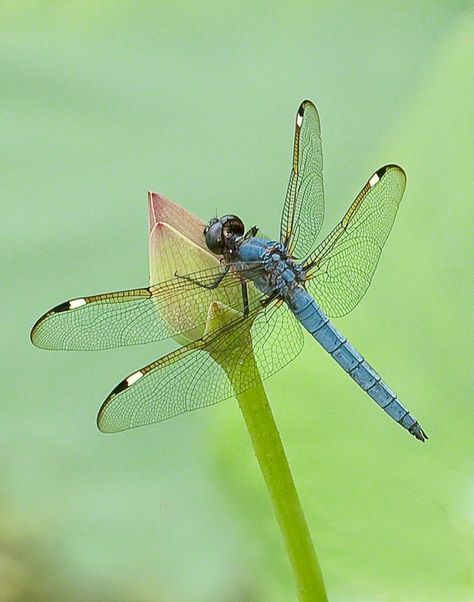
[240, 366]
[273, 463]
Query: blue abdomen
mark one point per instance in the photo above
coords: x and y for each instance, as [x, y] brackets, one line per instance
[319, 326]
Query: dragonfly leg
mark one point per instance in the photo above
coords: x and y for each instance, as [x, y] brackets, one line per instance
[245, 298]
[251, 233]
[269, 299]
[214, 284]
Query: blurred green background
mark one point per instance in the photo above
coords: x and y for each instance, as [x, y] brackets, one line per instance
[101, 101]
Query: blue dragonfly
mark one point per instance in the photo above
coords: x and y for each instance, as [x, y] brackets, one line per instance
[267, 289]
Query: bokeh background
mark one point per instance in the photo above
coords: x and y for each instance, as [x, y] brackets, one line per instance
[101, 101]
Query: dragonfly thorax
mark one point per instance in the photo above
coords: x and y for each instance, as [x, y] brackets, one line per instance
[267, 264]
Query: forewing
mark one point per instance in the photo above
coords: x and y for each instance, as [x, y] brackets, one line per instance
[303, 211]
[341, 268]
[138, 316]
[201, 373]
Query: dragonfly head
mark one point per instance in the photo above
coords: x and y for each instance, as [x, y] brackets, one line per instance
[220, 233]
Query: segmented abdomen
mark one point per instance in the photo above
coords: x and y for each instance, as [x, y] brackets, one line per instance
[319, 326]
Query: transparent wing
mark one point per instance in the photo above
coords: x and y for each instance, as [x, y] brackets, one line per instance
[139, 316]
[303, 212]
[340, 270]
[192, 377]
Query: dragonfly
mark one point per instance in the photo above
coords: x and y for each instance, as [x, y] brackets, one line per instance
[268, 291]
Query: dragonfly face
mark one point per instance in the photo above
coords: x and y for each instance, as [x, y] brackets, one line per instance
[220, 234]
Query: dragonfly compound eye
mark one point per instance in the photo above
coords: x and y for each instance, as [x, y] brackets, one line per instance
[232, 225]
[215, 238]
[212, 221]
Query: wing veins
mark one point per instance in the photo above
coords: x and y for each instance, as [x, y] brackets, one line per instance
[133, 317]
[340, 269]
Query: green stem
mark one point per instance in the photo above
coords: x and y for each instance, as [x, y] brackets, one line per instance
[273, 463]
[240, 366]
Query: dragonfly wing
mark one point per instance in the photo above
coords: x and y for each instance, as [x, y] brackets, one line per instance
[303, 211]
[207, 371]
[143, 315]
[340, 270]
